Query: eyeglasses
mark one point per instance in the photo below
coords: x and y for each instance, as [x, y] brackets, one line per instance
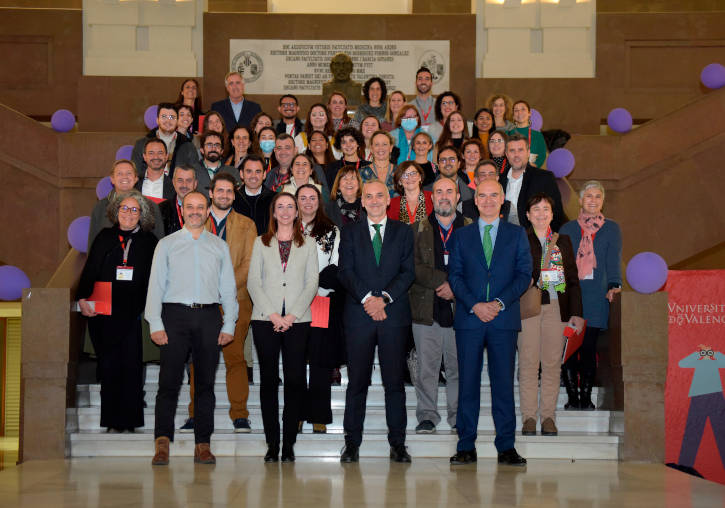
[448, 103]
[410, 174]
[212, 145]
[129, 209]
[168, 117]
[451, 160]
[288, 105]
[495, 140]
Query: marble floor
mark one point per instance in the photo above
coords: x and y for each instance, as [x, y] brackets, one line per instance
[245, 481]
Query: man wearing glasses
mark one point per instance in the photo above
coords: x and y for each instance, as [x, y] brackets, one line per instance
[289, 123]
[179, 149]
[212, 147]
[449, 161]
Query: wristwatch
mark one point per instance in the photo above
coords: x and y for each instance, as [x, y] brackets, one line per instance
[500, 304]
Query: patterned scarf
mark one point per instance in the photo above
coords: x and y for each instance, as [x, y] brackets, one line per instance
[419, 211]
[586, 262]
[555, 263]
[351, 212]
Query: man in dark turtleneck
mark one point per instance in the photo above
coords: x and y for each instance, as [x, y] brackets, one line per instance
[253, 198]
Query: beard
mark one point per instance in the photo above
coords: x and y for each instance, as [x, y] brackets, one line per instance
[213, 156]
[444, 209]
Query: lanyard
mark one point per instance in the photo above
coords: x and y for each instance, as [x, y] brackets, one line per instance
[178, 212]
[125, 246]
[529, 137]
[411, 215]
[503, 164]
[213, 228]
[426, 114]
[269, 166]
[447, 237]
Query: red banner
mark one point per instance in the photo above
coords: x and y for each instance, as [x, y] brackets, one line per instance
[694, 400]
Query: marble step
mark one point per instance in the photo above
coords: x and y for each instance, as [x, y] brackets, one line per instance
[90, 396]
[88, 419]
[567, 445]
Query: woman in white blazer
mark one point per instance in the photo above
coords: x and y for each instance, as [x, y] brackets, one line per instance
[283, 280]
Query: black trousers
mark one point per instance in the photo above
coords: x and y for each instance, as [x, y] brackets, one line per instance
[195, 330]
[361, 342]
[293, 345]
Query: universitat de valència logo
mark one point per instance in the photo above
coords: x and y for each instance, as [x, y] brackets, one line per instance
[696, 314]
[435, 62]
[249, 64]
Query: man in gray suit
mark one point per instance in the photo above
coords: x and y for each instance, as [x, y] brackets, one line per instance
[212, 147]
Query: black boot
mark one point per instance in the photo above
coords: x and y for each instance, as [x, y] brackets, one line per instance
[585, 390]
[272, 453]
[569, 375]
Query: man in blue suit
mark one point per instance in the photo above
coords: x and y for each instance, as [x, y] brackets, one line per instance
[236, 110]
[376, 268]
[489, 269]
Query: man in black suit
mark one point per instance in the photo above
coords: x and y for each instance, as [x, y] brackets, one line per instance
[376, 268]
[253, 198]
[154, 183]
[184, 182]
[235, 110]
[523, 180]
[486, 170]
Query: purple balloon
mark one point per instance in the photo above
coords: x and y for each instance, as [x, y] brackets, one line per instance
[149, 117]
[62, 120]
[646, 272]
[124, 152]
[713, 76]
[560, 162]
[78, 233]
[537, 121]
[12, 282]
[103, 187]
[619, 120]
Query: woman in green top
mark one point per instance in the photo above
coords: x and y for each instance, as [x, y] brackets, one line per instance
[522, 125]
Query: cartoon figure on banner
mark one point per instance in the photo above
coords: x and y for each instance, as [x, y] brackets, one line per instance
[249, 64]
[706, 401]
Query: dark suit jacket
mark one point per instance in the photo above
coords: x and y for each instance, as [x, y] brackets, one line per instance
[256, 209]
[168, 192]
[184, 153]
[170, 216]
[570, 301]
[470, 210]
[537, 180]
[508, 276]
[281, 127]
[359, 274]
[224, 108]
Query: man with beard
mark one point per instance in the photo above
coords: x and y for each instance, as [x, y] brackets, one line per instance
[239, 232]
[524, 180]
[155, 184]
[124, 178]
[284, 152]
[212, 147]
[424, 101]
[184, 182]
[191, 275]
[486, 170]
[180, 149]
[289, 123]
[449, 161]
[432, 307]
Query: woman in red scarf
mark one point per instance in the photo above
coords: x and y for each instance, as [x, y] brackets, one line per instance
[598, 245]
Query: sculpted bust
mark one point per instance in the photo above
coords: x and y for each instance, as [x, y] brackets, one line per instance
[341, 69]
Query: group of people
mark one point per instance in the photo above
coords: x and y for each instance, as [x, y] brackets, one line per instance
[323, 240]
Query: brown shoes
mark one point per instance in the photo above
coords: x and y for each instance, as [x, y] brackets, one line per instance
[529, 427]
[161, 455]
[548, 428]
[203, 455]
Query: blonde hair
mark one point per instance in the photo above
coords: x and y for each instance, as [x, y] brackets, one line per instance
[507, 115]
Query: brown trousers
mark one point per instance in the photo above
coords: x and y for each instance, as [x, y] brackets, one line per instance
[236, 366]
[541, 340]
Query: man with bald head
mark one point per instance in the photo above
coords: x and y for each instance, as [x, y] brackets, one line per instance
[489, 269]
[432, 306]
[376, 269]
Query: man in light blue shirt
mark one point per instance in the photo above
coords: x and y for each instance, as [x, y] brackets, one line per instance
[191, 275]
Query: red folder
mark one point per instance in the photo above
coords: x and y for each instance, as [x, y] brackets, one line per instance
[201, 122]
[101, 298]
[320, 309]
[155, 200]
[573, 340]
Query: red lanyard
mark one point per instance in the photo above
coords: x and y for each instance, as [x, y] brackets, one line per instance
[411, 215]
[269, 166]
[427, 114]
[529, 137]
[503, 165]
[125, 246]
[357, 164]
[447, 237]
[178, 212]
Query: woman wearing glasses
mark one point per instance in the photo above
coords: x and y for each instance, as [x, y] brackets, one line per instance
[120, 256]
[413, 204]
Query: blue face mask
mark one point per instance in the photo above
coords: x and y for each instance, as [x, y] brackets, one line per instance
[267, 145]
[409, 124]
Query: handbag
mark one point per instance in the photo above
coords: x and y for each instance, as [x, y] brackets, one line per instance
[530, 301]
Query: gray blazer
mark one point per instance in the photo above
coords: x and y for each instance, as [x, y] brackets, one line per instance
[269, 286]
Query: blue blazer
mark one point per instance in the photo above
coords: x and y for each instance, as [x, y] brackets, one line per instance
[508, 276]
[224, 108]
[359, 274]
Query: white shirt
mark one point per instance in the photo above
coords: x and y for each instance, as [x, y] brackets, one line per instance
[382, 223]
[513, 189]
[154, 189]
[257, 193]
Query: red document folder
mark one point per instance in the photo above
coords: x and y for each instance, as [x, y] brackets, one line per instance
[101, 298]
[573, 340]
[320, 310]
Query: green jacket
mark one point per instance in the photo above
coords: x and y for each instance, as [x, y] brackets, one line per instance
[427, 277]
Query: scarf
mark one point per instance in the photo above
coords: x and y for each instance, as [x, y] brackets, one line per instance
[351, 212]
[586, 262]
[553, 253]
[420, 213]
[406, 149]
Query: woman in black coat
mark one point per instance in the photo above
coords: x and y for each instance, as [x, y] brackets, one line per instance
[120, 255]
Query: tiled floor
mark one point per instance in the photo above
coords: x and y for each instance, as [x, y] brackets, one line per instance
[132, 482]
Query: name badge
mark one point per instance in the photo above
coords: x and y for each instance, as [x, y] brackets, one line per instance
[124, 273]
[590, 276]
[445, 258]
[549, 275]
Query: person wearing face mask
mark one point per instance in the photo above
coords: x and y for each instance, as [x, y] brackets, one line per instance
[407, 125]
[537, 143]
[264, 145]
[212, 147]
[124, 178]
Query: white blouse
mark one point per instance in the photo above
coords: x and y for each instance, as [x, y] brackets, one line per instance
[327, 251]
